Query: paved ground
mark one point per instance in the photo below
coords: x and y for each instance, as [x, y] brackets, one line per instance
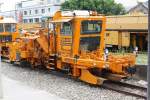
[14, 90]
[60, 86]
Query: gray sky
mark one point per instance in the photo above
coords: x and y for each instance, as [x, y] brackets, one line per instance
[10, 4]
[129, 3]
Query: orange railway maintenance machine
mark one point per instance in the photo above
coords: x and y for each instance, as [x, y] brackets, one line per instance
[75, 44]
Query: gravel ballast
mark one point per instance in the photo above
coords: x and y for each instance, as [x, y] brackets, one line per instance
[60, 86]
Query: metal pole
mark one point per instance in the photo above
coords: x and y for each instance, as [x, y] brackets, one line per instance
[148, 69]
[48, 26]
[1, 90]
[16, 14]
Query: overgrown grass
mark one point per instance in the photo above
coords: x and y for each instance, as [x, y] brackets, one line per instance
[141, 59]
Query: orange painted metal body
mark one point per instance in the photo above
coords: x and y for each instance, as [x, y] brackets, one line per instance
[75, 45]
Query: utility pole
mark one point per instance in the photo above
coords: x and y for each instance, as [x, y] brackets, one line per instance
[148, 69]
[1, 89]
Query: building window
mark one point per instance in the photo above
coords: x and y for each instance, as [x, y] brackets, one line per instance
[36, 11]
[31, 20]
[25, 12]
[42, 11]
[49, 9]
[36, 20]
[30, 12]
[19, 5]
[57, 1]
[49, 1]
[25, 20]
[107, 34]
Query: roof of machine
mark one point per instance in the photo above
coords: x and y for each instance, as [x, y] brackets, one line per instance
[8, 20]
[76, 13]
[61, 20]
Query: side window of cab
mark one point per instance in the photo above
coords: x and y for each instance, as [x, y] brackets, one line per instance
[66, 28]
[10, 27]
[1, 28]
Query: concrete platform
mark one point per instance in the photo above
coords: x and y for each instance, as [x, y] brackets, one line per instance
[141, 72]
[14, 90]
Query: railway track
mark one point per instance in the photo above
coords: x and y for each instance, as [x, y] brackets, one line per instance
[125, 88]
[121, 87]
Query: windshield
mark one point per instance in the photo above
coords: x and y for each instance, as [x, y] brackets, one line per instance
[89, 43]
[10, 27]
[91, 27]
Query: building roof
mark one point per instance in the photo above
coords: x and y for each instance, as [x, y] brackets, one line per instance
[127, 22]
[144, 5]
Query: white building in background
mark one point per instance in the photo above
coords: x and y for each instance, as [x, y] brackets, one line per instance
[7, 13]
[31, 11]
[11, 13]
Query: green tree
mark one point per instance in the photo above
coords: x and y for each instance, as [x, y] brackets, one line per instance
[107, 7]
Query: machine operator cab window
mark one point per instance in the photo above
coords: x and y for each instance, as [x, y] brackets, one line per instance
[7, 27]
[66, 28]
[90, 32]
[1, 28]
[91, 27]
[10, 27]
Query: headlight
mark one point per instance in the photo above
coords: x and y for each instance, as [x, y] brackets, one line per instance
[106, 51]
[106, 54]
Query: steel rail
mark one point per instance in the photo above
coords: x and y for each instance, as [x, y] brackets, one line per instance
[117, 86]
